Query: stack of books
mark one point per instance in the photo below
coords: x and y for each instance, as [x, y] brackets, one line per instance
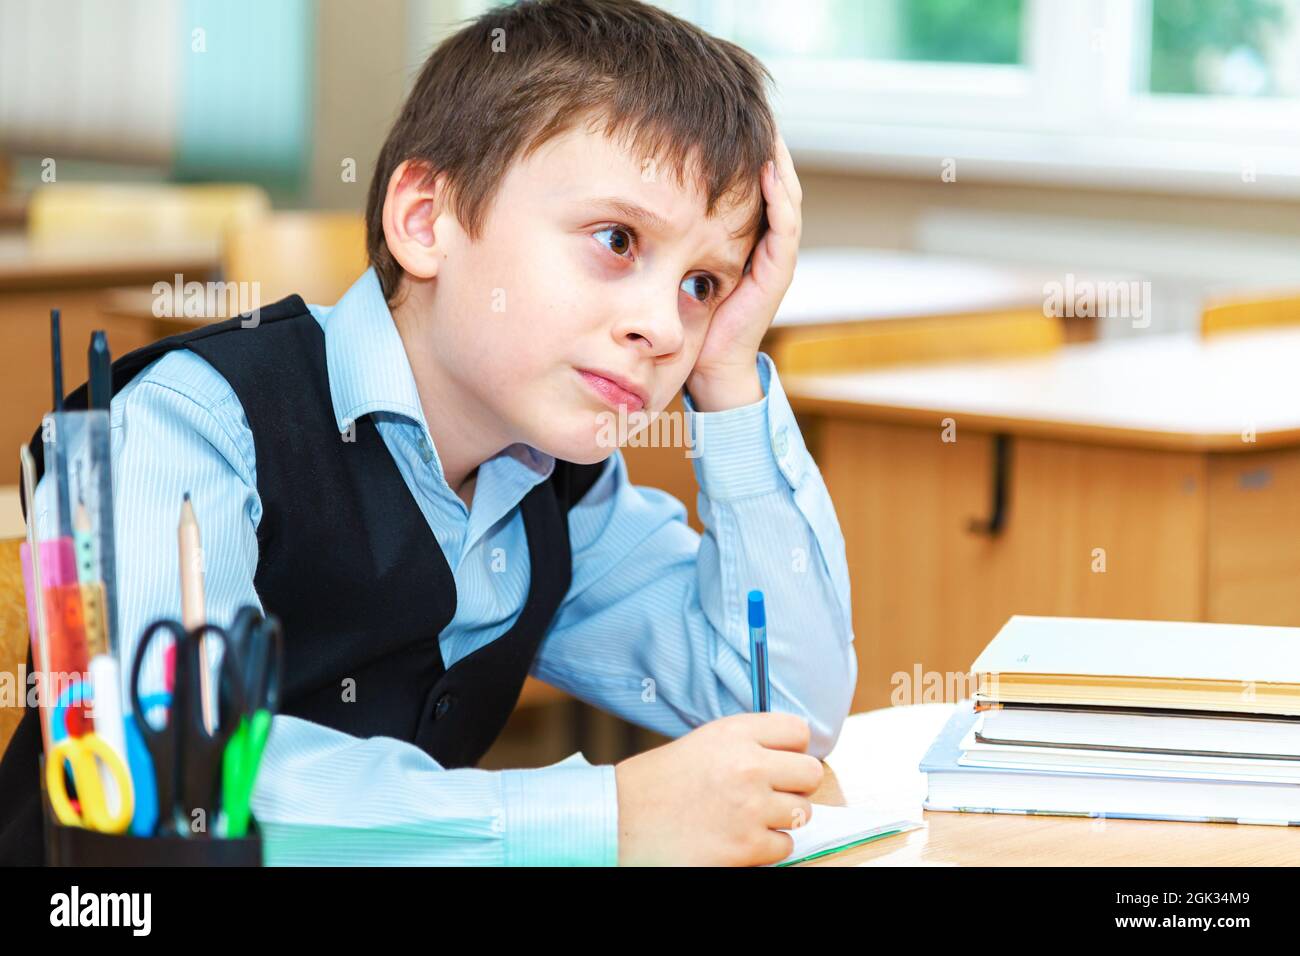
[1144, 719]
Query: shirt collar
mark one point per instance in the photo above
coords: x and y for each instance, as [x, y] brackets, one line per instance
[369, 372]
[367, 363]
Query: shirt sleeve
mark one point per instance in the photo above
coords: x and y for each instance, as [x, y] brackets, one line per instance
[654, 626]
[322, 797]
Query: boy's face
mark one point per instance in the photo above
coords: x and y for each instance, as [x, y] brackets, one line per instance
[568, 283]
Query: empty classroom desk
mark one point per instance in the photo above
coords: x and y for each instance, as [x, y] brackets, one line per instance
[1143, 478]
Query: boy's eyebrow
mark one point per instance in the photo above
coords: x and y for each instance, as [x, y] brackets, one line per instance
[639, 215]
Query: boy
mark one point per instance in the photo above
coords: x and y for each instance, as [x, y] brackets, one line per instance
[574, 212]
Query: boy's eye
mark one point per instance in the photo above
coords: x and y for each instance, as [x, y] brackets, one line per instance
[700, 288]
[620, 239]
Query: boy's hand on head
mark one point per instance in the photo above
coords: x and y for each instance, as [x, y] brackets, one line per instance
[726, 373]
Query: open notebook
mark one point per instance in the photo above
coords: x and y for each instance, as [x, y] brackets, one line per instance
[837, 828]
[828, 829]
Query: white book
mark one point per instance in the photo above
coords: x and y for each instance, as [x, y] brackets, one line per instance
[952, 786]
[1067, 760]
[1144, 649]
[838, 828]
[1167, 732]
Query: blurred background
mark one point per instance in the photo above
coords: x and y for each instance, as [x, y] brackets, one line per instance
[1040, 340]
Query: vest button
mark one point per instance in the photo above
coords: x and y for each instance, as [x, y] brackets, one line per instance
[444, 704]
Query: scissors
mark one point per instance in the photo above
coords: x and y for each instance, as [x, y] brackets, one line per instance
[142, 776]
[85, 754]
[187, 758]
[258, 644]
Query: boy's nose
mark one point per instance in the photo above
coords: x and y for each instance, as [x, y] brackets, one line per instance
[652, 323]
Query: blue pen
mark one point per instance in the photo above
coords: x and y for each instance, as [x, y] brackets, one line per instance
[758, 652]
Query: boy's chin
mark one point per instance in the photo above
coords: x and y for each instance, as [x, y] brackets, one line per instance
[582, 444]
[593, 455]
[588, 437]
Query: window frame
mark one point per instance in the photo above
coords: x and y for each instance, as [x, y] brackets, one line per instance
[1046, 121]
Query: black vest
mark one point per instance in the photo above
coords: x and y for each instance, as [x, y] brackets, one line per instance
[348, 562]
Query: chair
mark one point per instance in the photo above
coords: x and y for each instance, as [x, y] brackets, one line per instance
[317, 255]
[905, 341]
[139, 212]
[1240, 314]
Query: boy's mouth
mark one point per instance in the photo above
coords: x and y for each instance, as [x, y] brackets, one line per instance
[614, 390]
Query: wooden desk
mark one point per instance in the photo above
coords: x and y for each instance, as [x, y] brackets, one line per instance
[1144, 478]
[874, 764]
[34, 278]
[27, 265]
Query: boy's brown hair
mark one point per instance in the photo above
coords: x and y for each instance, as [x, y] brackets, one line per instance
[520, 75]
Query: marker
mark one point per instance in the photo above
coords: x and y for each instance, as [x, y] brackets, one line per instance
[60, 446]
[758, 652]
[100, 363]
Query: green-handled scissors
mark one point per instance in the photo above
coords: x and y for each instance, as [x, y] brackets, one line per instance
[258, 645]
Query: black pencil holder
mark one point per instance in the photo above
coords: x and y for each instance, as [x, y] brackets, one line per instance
[76, 846]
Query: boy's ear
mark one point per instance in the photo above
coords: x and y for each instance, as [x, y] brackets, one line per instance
[412, 205]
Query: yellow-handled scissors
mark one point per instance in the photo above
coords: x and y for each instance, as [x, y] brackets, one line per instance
[86, 755]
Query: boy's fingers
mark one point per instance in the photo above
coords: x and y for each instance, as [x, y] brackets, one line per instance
[788, 811]
[795, 772]
[785, 163]
[777, 731]
[782, 216]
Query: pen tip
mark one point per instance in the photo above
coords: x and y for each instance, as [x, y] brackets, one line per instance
[187, 496]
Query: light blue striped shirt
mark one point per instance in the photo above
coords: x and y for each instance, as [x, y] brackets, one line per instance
[652, 629]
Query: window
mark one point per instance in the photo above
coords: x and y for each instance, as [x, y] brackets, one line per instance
[1188, 95]
[944, 31]
[1204, 47]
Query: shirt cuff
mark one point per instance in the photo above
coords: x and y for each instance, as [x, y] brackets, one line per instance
[736, 453]
[560, 816]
